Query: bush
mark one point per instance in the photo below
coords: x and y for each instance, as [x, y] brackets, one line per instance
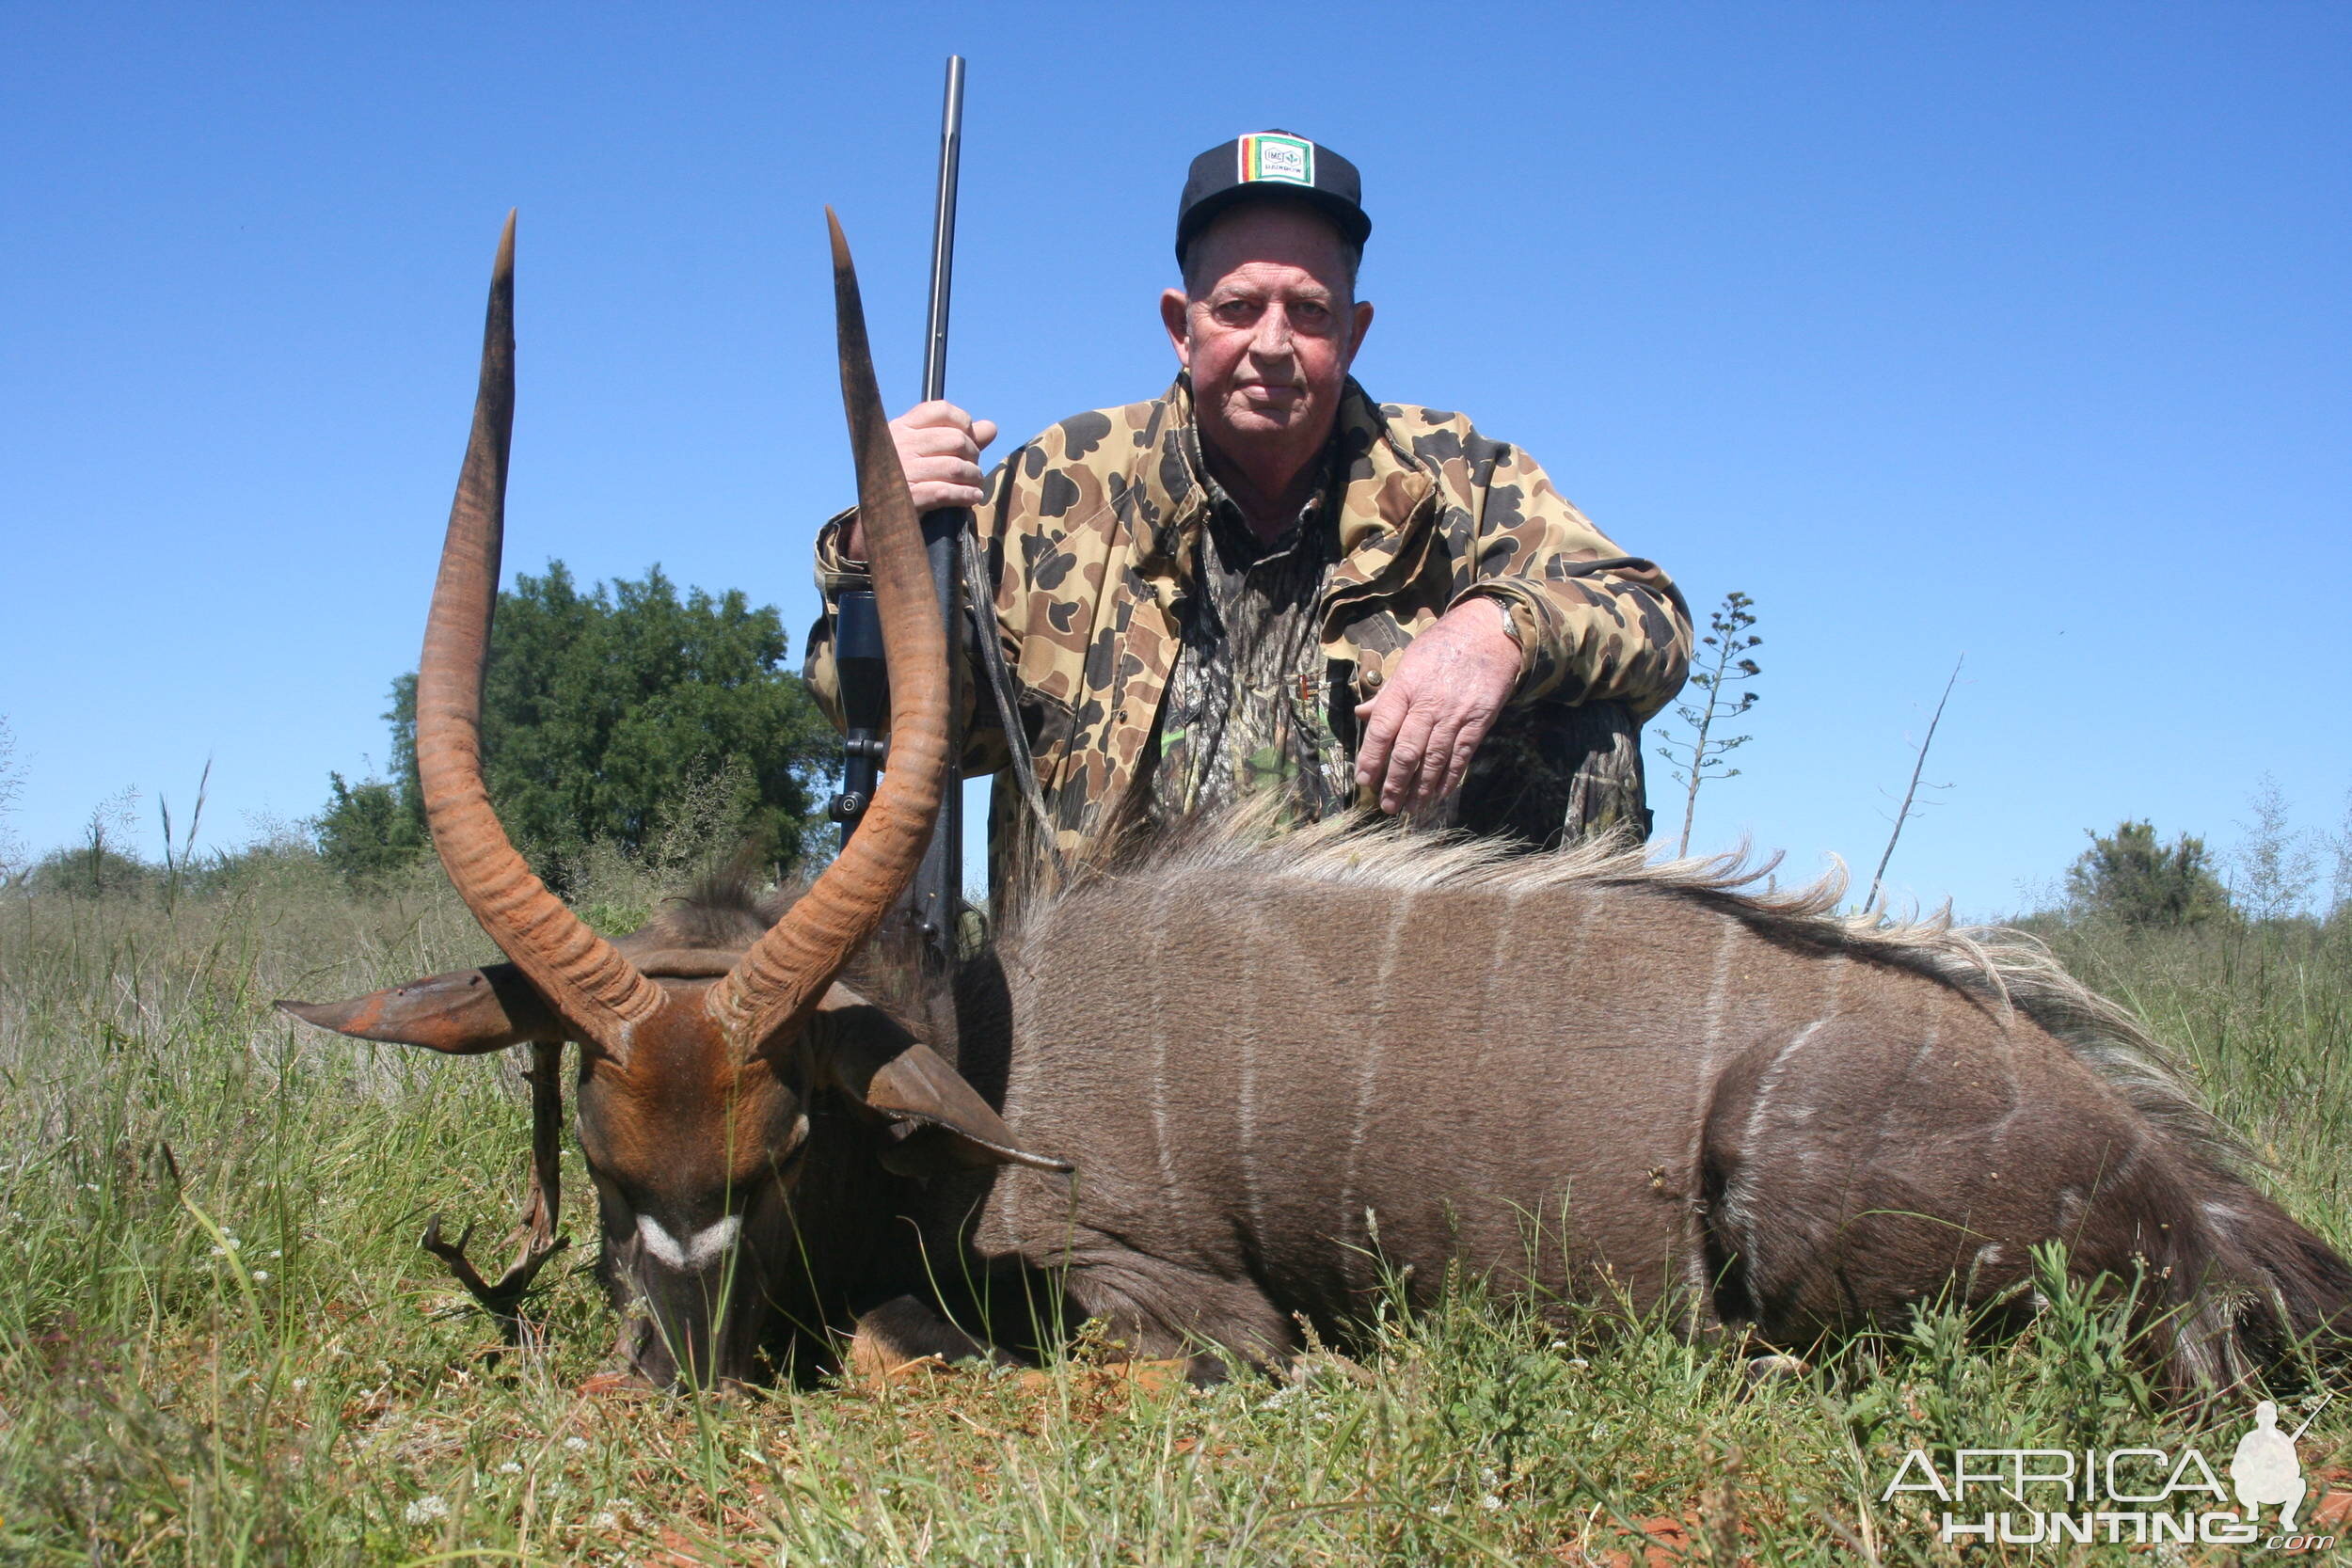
[2128, 877]
[91, 871]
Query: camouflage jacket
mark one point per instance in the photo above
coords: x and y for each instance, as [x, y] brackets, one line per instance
[1091, 538]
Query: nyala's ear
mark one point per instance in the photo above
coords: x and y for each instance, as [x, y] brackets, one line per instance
[465, 1012]
[871, 1057]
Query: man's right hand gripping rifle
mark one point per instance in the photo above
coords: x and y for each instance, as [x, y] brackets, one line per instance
[938, 445]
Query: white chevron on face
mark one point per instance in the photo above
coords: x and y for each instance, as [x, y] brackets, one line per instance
[698, 1250]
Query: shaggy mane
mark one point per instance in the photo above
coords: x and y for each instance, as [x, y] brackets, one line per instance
[1994, 966]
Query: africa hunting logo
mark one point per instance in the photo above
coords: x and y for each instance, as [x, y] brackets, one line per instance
[2136, 1497]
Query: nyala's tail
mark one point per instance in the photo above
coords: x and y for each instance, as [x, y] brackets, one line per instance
[2261, 1295]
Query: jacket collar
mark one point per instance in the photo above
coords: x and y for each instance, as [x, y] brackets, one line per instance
[1383, 504]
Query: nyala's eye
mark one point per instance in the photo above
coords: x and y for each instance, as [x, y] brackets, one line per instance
[788, 1159]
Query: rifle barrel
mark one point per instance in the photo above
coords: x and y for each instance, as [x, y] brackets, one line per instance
[938, 890]
[944, 233]
[2322, 1405]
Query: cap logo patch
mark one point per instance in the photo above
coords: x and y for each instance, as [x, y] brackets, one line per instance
[1286, 159]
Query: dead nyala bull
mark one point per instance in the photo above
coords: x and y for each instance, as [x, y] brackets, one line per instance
[1576, 1072]
[706, 1084]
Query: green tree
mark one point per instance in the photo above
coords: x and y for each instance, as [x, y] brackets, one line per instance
[369, 827]
[2127, 875]
[599, 709]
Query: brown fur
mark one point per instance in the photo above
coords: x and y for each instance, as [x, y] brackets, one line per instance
[1595, 1076]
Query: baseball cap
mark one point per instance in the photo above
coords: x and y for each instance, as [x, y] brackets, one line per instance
[1274, 164]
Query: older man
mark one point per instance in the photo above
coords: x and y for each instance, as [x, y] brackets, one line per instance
[1262, 580]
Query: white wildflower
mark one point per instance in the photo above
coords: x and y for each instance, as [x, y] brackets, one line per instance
[424, 1510]
[1491, 1502]
[578, 1444]
[510, 1468]
[261, 1277]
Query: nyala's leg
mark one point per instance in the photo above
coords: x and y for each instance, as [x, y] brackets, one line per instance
[903, 1331]
[1159, 1310]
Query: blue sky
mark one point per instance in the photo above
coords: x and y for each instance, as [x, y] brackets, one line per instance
[2022, 331]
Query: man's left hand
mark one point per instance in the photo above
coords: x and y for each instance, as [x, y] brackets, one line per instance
[1443, 696]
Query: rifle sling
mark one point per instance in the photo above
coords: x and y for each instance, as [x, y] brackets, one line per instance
[979, 602]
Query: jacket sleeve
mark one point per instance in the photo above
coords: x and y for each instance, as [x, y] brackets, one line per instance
[984, 750]
[1594, 623]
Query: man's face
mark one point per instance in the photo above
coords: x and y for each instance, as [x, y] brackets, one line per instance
[1267, 330]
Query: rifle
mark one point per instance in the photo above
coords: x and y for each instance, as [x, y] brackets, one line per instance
[938, 888]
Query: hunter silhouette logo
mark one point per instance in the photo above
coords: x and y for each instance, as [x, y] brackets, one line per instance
[2132, 1496]
[2265, 1470]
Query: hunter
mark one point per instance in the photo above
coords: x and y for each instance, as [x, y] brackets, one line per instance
[1261, 579]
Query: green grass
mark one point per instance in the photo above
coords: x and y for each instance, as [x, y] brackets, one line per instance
[220, 1343]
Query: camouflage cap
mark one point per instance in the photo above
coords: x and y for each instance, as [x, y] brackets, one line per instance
[1271, 164]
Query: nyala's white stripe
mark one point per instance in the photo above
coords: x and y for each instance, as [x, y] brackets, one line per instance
[698, 1251]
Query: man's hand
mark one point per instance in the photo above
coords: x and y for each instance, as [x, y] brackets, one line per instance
[1448, 686]
[938, 446]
